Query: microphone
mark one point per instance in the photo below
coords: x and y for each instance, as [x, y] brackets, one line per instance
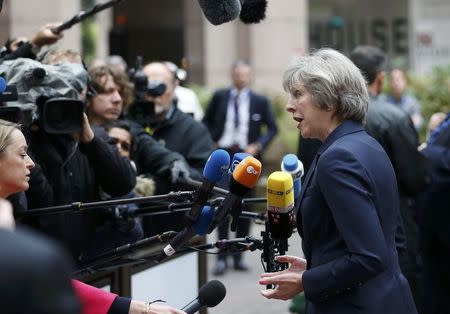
[244, 179]
[292, 165]
[2, 84]
[217, 162]
[220, 11]
[200, 227]
[237, 158]
[209, 295]
[253, 11]
[280, 205]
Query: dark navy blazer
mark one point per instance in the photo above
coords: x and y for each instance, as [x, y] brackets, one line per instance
[347, 218]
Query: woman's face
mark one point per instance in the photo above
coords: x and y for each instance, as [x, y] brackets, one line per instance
[106, 106]
[313, 122]
[122, 139]
[15, 166]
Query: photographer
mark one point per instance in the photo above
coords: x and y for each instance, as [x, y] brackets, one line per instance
[112, 95]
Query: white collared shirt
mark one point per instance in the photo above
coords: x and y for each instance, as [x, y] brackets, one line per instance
[232, 135]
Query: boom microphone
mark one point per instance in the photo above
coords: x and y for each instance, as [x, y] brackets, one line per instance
[253, 11]
[220, 11]
[217, 162]
[243, 180]
[280, 205]
[292, 165]
[210, 294]
[200, 227]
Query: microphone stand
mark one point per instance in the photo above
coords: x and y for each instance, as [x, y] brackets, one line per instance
[179, 196]
[271, 249]
[197, 184]
[84, 15]
[90, 266]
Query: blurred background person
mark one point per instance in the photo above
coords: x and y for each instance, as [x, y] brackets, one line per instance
[236, 117]
[178, 131]
[394, 130]
[400, 97]
[186, 100]
[433, 205]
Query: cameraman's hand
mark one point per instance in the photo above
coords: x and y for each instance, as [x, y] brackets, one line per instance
[86, 135]
[45, 36]
[179, 169]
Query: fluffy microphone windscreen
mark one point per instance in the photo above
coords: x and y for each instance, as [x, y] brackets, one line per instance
[253, 11]
[2, 84]
[247, 172]
[220, 11]
[202, 224]
[237, 158]
[217, 162]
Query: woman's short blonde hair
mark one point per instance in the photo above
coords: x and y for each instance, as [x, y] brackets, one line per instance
[333, 81]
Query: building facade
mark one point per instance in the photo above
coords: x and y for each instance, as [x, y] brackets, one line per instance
[413, 32]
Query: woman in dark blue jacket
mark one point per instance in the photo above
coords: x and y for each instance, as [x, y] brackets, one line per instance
[348, 208]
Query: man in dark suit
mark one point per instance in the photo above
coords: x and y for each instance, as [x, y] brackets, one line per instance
[235, 118]
[394, 130]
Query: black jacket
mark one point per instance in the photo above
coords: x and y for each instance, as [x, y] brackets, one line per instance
[149, 155]
[182, 134]
[394, 130]
[75, 172]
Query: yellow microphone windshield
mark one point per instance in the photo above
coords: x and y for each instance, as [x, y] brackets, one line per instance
[280, 194]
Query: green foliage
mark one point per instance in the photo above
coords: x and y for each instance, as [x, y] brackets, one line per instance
[204, 95]
[89, 37]
[287, 130]
[433, 91]
[89, 33]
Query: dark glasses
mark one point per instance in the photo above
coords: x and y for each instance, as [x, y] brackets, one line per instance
[123, 145]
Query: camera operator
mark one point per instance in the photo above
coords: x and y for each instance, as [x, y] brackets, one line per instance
[21, 47]
[77, 166]
[112, 95]
[177, 130]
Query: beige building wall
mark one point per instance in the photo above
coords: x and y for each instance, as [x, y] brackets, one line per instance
[269, 46]
[26, 17]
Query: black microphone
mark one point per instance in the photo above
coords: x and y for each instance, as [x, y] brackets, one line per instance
[210, 294]
[220, 11]
[253, 11]
[200, 227]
